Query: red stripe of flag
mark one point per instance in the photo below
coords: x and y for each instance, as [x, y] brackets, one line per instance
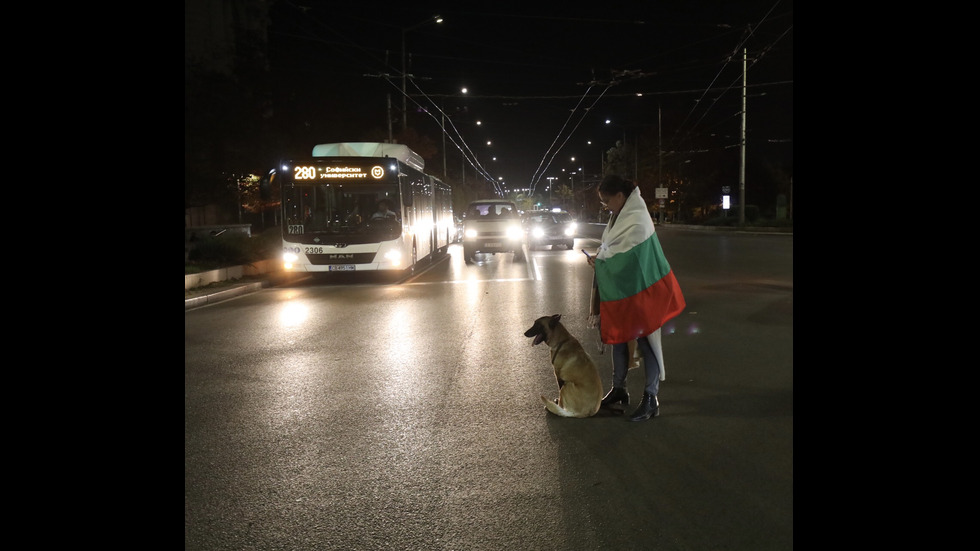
[643, 313]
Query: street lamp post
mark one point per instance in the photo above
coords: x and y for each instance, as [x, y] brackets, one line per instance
[437, 19]
[572, 178]
[442, 110]
[609, 122]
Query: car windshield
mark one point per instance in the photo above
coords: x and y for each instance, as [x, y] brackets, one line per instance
[549, 218]
[491, 210]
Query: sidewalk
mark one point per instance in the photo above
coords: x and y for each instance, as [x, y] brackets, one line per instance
[224, 290]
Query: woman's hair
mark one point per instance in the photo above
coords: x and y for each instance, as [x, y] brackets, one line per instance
[614, 183]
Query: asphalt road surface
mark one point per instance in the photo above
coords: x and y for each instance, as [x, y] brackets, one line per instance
[356, 414]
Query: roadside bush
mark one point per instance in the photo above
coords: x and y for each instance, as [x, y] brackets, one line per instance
[217, 252]
[232, 250]
[268, 244]
[722, 221]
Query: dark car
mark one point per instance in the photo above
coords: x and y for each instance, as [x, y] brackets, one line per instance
[550, 227]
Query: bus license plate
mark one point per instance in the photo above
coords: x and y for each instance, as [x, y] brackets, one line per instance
[340, 268]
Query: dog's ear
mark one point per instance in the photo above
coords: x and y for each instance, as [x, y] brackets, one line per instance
[555, 318]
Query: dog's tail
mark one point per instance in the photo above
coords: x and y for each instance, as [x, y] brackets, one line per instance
[555, 408]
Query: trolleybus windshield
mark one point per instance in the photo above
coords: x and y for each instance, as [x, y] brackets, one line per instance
[339, 196]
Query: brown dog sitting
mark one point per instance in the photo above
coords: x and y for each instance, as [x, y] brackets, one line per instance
[579, 385]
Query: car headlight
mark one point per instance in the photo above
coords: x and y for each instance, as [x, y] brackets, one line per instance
[570, 230]
[514, 232]
[471, 233]
[537, 232]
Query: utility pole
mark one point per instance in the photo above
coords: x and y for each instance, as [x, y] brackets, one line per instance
[572, 178]
[391, 138]
[385, 76]
[660, 151]
[404, 93]
[741, 170]
[436, 19]
[442, 110]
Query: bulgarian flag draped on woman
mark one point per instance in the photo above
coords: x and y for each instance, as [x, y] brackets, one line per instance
[638, 292]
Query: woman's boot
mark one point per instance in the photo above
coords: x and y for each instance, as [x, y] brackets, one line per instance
[649, 407]
[616, 395]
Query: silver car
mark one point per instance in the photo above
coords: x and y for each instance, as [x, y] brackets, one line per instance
[492, 226]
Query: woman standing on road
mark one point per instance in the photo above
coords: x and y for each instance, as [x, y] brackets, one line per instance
[634, 292]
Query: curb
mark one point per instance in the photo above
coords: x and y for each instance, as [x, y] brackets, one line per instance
[779, 230]
[224, 295]
[272, 279]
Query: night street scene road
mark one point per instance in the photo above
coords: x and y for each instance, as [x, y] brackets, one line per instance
[369, 384]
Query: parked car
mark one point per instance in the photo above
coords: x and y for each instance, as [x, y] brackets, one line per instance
[550, 227]
[492, 226]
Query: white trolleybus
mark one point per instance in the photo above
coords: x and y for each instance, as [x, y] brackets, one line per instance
[362, 206]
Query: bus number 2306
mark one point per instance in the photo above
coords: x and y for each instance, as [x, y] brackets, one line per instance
[307, 249]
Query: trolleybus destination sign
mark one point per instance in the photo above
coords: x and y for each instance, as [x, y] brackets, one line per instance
[326, 172]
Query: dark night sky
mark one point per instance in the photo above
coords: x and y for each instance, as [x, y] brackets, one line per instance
[539, 79]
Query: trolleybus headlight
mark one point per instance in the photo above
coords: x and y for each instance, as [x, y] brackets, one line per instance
[394, 256]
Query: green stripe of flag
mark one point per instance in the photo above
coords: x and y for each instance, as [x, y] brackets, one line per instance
[628, 273]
